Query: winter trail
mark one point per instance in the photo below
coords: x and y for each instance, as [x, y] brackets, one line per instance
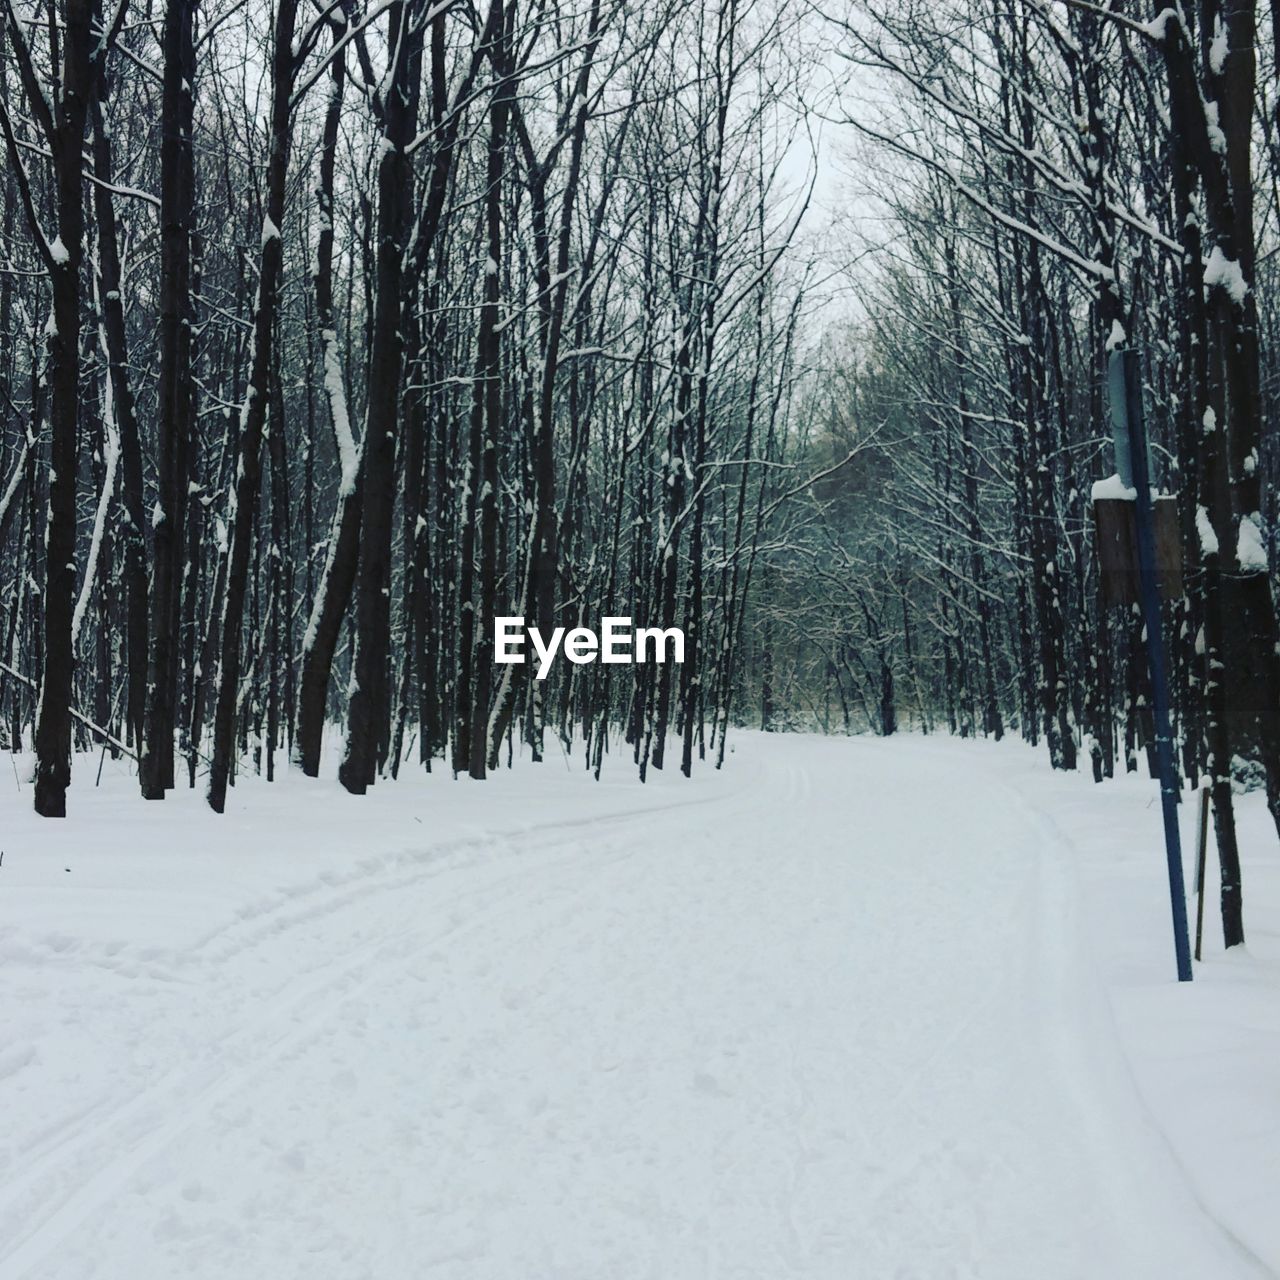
[829, 1021]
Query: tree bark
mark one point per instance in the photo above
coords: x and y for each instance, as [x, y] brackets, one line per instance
[177, 197]
[253, 412]
[368, 710]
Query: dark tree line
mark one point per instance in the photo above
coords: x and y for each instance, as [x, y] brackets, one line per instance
[329, 331]
[1052, 182]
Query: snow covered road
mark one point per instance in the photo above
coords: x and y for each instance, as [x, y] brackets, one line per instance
[825, 1015]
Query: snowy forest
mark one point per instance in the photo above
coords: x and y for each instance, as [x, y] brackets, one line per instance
[693, 587]
[330, 332]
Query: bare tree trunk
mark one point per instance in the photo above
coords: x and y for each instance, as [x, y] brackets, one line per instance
[64, 122]
[334, 592]
[113, 324]
[368, 710]
[486, 417]
[177, 197]
[253, 412]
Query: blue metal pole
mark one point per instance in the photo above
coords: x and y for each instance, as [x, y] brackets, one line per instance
[1150, 591]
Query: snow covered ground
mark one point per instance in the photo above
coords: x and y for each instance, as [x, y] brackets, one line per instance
[851, 1008]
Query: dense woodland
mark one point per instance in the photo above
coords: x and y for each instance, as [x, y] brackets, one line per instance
[331, 331]
[1052, 182]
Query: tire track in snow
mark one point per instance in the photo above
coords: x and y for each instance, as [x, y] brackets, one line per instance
[798, 1038]
[196, 1091]
[1094, 1050]
[329, 892]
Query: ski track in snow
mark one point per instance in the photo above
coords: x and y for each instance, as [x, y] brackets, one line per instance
[830, 1019]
